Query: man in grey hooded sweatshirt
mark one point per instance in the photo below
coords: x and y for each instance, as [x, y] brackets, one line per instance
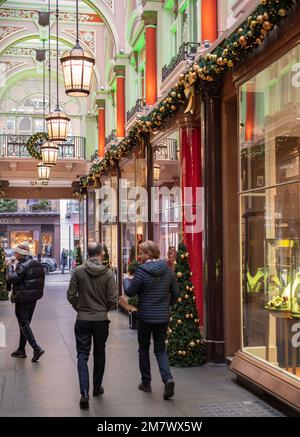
[92, 293]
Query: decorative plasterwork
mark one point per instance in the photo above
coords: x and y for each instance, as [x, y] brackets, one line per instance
[7, 66]
[23, 14]
[86, 37]
[22, 51]
[6, 31]
[109, 3]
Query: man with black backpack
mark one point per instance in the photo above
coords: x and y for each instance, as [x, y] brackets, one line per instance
[27, 280]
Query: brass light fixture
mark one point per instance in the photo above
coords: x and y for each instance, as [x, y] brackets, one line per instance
[57, 121]
[77, 67]
[44, 172]
[156, 172]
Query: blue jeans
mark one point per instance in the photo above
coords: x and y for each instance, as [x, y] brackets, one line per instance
[85, 331]
[159, 333]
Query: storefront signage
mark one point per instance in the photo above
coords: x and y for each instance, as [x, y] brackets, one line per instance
[10, 221]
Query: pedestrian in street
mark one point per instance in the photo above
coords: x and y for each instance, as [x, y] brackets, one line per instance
[155, 285]
[92, 293]
[27, 278]
[63, 261]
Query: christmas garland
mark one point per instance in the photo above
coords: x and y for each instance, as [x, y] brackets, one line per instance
[34, 144]
[210, 67]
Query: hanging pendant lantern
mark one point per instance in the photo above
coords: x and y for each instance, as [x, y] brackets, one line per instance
[44, 172]
[156, 172]
[77, 65]
[57, 121]
[49, 153]
[58, 125]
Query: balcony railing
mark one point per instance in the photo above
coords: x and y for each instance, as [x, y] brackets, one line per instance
[112, 136]
[187, 50]
[15, 146]
[139, 106]
[167, 150]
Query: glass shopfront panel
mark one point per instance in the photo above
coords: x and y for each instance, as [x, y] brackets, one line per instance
[166, 176]
[270, 213]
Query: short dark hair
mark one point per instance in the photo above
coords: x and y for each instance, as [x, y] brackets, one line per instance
[94, 249]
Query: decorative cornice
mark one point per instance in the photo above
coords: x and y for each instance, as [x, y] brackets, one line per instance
[149, 18]
[119, 70]
[6, 31]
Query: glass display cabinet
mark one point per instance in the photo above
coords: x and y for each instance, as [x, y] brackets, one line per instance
[282, 275]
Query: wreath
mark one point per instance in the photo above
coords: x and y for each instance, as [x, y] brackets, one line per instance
[34, 144]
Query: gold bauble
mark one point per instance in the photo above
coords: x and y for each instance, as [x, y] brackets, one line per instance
[214, 57]
[179, 96]
[184, 353]
[192, 343]
[191, 273]
[179, 352]
[179, 300]
[240, 30]
[263, 2]
[260, 19]
[250, 33]
[187, 287]
[169, 99]
[235, 44]
[196, 320]
[253, 23]
[187, 255]
[267, 25]
[173, 93]
[179, 322]
[282, 12]
[258, 41]
[187, 316]
[225, 52]
[220, 61]
[191, 315]
[182, 256]
[162, 109]
[198, 341]
[243, 40]
[181, 76]
[173, 107]
[230, 64]
[186, 296]
[266, 16]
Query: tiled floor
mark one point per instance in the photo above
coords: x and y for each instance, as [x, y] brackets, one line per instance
[50, 387]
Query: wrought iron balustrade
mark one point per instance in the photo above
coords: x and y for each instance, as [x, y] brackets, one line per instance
[139, 106]
[112, 136]
[15, 146]
[187, 50]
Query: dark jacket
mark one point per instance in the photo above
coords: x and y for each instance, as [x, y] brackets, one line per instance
[28, 280]
[92, 290]
[155, 284]
[63, 259]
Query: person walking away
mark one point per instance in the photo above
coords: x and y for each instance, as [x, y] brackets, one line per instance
[92, 293]
[27, 279]
[155, 284]
[63, 261]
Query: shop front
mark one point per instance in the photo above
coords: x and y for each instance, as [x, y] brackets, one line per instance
[269, 217]
[42, 232]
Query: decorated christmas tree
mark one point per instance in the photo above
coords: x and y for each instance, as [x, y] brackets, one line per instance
[184, 344]
[3, 290]
[78, 256]
[106, 260]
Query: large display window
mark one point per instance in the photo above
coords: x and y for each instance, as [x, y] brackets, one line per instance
[166, 177]
[270, 213]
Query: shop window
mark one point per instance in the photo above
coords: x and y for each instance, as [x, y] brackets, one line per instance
[270, 215]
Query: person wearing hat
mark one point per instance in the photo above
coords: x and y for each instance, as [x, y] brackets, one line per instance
[27, 279]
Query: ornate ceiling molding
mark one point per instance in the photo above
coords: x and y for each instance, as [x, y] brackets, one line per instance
[7, 66]
[6, 31]
[68, 17]
[87, 37]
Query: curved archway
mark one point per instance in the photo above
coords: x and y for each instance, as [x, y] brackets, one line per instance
[110, 25]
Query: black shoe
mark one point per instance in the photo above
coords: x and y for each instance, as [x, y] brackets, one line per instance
[38, 352]
[145, 387]
[19, 354]
[98, 391]
[169, 389]
[84, 401]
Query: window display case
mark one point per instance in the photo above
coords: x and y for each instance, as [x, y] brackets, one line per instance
[281, 276]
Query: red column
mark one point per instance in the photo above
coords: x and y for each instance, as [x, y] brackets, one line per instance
[209, 20]
[120, 70]
[190, 142]
[250, 108]
[151, 66]
[101, 128]
[150, 21]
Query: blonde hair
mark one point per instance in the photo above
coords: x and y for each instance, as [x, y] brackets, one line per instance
[150, 248]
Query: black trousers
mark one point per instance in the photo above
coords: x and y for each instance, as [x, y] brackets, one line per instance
[85, 331]
[159, 333]
[24, 313]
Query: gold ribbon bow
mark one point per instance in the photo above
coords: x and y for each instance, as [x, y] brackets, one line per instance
[189, 91]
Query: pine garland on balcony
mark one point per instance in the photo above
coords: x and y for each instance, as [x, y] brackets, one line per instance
[231, 52]
[34, 144]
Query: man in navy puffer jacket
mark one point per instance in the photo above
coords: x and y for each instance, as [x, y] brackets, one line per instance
[155, 284]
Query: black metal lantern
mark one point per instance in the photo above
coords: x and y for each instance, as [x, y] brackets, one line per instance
[77, 65]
